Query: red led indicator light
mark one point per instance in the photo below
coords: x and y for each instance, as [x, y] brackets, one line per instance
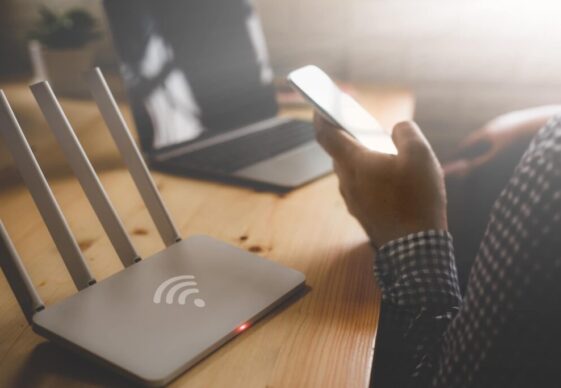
[242, 327]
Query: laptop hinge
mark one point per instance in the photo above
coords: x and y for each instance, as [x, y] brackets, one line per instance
[221, 138]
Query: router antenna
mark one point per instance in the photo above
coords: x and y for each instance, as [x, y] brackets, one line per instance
[122, 137]
[84, 172]
[18, 278]
[43, 196]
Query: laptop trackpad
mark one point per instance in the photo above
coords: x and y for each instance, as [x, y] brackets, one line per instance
[291, 168]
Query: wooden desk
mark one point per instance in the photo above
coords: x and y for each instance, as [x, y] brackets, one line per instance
[323, 339]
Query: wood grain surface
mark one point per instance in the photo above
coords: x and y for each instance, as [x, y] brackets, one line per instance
[323, 338]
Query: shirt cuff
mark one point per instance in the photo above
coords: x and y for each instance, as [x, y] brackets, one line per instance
[419, 270]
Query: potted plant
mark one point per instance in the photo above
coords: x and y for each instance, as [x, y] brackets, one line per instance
[61, 49]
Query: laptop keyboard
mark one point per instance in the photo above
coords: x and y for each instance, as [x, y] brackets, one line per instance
[249, 149]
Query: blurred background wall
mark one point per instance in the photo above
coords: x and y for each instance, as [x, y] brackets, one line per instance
[466, 60]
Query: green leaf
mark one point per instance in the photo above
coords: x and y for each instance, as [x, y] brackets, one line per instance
[71, 29]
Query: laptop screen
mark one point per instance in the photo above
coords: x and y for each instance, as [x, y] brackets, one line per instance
[192, 68]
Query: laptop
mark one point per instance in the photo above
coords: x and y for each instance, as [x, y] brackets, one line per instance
[201, 91]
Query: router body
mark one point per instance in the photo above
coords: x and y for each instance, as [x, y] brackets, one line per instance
[121, 322]
[159, 316]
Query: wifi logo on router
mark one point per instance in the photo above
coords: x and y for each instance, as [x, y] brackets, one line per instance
[183, 286]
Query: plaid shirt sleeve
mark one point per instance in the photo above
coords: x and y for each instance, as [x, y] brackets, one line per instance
[418, 279]
[418, 271]
[504, 332]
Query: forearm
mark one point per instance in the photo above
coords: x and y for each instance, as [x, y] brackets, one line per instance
[510, 308]
[417, 276]
[529, 121]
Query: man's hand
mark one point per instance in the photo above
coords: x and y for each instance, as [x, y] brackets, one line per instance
[504, 134]
[391, 196]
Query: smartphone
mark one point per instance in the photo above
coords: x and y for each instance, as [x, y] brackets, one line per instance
[340, 108]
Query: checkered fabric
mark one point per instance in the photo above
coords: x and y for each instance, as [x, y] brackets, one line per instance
[506, 330]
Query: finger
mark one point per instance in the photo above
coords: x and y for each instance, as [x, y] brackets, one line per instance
[337, 168]
[464, 167]
[320, 122]
[481, 160]
[338, 144]
[347, 198]
[344, 173]
[459, 152]
[472, 139]
[342, 191]
[475, 144]
[408, 138]
[457, 168]
[476, 147]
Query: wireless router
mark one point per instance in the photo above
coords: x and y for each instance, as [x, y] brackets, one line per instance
[159, 316]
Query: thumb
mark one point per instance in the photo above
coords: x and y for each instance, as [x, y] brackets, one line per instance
[338, 144]
[408, 138]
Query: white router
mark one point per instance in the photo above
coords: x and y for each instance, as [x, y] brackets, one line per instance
[159, 316]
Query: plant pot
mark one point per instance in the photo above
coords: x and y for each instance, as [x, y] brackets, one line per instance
[63, 68]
